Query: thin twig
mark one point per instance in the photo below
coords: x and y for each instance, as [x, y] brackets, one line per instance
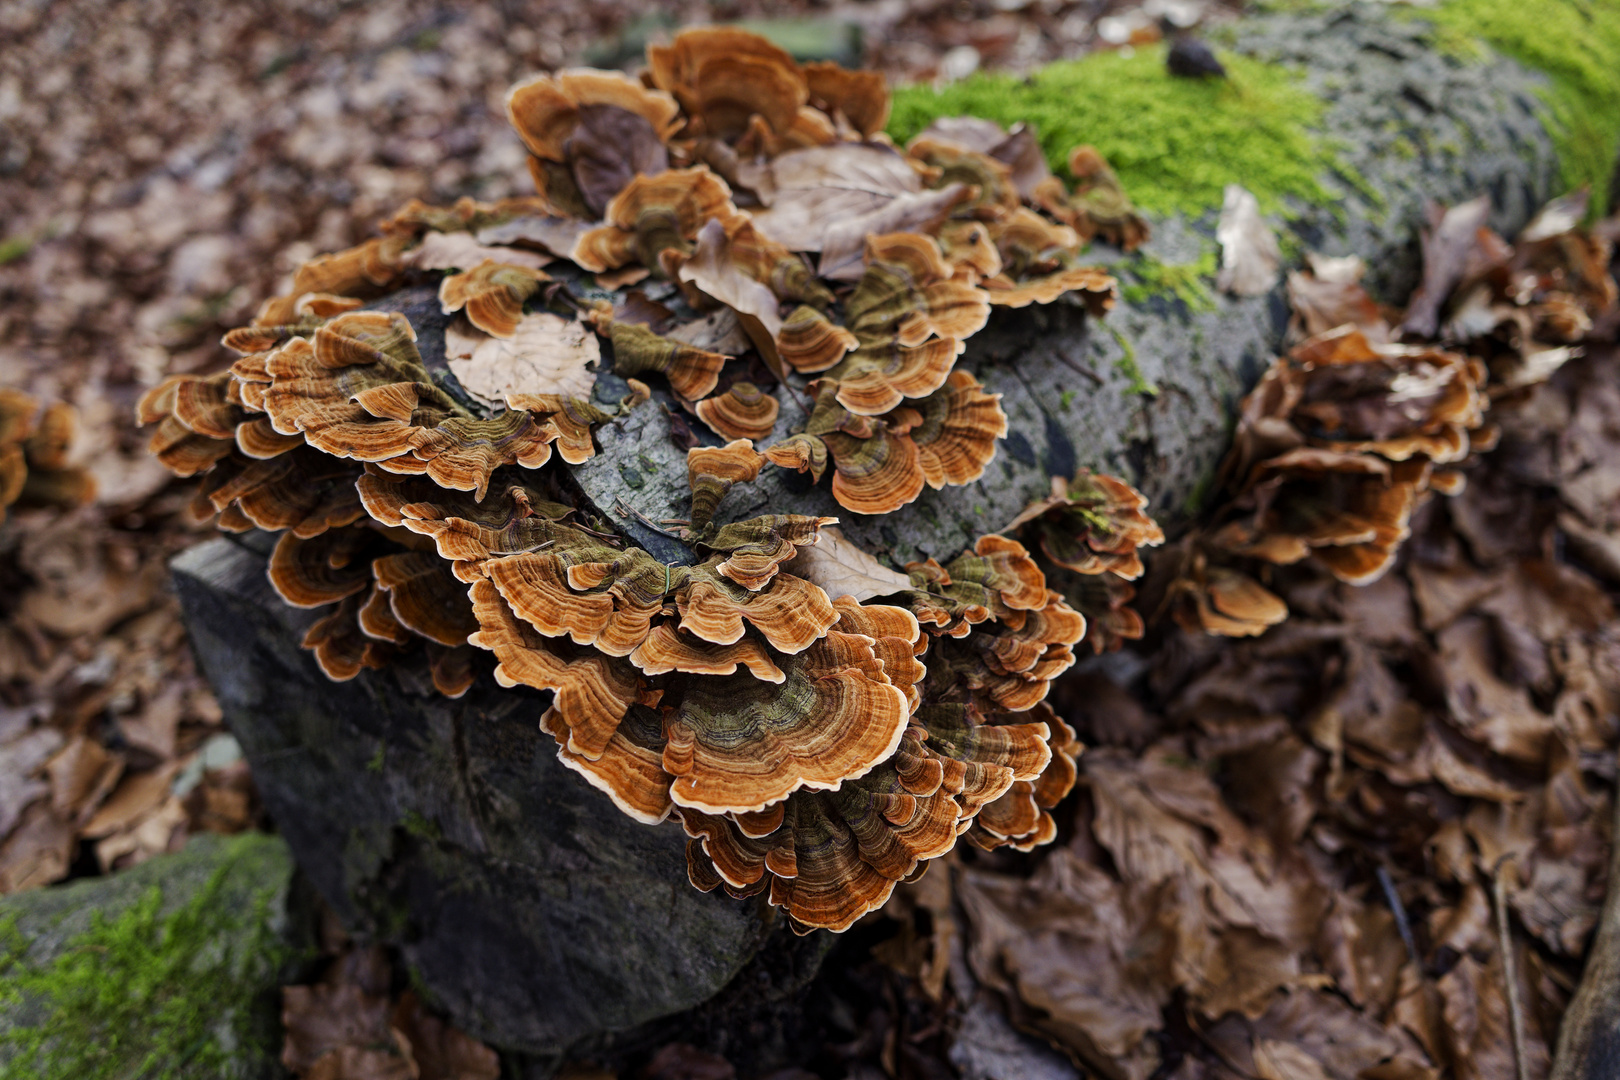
[528, 550]
[1075, 365]
[625, 508]
[1393, 899]
[1510, 966]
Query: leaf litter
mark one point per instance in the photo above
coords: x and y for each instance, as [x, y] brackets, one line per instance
[1283, 861]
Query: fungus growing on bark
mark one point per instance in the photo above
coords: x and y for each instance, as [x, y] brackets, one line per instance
[590, 133]
[492, 293]
[744, 411]
[34, 451]
[723, 76]
[809, 342]
[654, 214]
[1098, 205]
[692, 372]
[822, 723]
[711, 471]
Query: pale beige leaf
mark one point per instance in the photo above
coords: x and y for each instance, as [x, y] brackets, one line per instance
[1249, 255]
[842, 569]
[547, 355]
[461, 251]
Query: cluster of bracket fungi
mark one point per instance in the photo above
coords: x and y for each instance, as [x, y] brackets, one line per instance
[821, 724]
[818, 744]
[35, 441]
[1375, 410]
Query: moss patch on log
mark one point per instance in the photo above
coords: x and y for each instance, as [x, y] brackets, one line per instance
[1576, 44]
[1176, 143]
[158, 988]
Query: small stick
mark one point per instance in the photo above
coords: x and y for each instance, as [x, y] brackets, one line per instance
[625, 508]
[1075, 365]
[1393, 898]
[1510, 966]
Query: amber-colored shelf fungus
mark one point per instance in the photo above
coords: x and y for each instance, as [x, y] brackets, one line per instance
[822, 724]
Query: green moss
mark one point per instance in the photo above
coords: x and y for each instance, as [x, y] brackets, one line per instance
[1576, 44]
[143, 994]
[1187, 282]
[13, 248]
[1176, 143]
[379, 757]
[1127, 366]
[420, 827]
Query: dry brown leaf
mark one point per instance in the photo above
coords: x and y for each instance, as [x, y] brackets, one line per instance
[154, 728]
[462, 251]
[20, 759]
[320, 1020]
[546, 355]
[37, 852]
[136, 796]
[442, 1052]
[843, 569]
[81, 776]
[154, 833]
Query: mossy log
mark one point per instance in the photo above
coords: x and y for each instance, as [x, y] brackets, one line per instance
[1148, 392]
[531, 909]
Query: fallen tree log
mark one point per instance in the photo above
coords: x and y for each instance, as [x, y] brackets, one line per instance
[537, 915]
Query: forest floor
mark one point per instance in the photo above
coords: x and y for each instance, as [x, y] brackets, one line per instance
[1396, 807]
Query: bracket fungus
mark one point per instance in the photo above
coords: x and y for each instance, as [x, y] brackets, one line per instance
[34, 454]
[822, 724]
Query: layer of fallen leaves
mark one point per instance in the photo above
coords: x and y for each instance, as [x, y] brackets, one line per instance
[356, 1023]
[111, 746]
[1373, 841]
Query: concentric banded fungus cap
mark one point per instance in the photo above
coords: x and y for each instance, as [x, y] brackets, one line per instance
[810, 342]
[361, 392]
[1098, 206]
[1226, 602]
[1351, 511]
[34, 450]
[723, 76]
[756, 548]
[996, 578]
[654, 214]
[692, 372]
[1021, 818]
[744, 411]
[591, 133]
[196, 421]
[1395, 401]
[493, 294]
[711, 472]
[1018, 149]
[830, 857]
[860, 97]
[1094, 524]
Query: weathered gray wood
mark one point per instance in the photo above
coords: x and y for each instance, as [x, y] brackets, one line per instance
[533, 910]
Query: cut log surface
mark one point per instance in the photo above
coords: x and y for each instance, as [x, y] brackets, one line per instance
[539, 915]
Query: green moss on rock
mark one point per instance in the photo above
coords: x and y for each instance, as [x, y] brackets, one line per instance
[1576, 44]
[169, 970]
[1176, 143]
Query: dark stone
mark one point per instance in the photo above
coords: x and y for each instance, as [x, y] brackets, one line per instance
[1192, 59]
